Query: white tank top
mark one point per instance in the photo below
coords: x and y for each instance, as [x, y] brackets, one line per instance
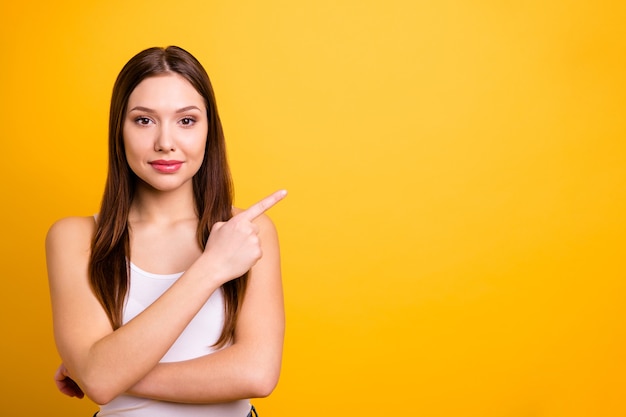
[196, 340]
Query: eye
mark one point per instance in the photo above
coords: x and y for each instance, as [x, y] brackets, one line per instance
[187, 121]
[144, 121]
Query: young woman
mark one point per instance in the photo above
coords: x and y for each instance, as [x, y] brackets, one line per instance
[169, 301]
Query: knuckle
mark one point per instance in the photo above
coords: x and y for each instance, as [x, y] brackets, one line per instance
[256, 254]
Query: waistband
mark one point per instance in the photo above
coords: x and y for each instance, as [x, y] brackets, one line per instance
[252, 413]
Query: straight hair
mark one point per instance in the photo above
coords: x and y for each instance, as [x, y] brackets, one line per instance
[109, 262]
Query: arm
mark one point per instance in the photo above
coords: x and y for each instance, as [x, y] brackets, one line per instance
[105, 363]
[250, 367]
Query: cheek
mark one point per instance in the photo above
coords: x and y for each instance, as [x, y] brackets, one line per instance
[132, 154]
[136, 143]
[128, 149]
[202, 148]
[198, 156]
[198, 144]
[127, 144]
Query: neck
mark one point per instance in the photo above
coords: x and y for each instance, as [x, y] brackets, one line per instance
[162, 206]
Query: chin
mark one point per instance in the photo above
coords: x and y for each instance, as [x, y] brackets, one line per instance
[166, 185]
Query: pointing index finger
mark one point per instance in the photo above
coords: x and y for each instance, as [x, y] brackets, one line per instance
[262, 206]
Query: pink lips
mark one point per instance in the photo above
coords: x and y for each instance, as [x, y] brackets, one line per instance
[166, 166]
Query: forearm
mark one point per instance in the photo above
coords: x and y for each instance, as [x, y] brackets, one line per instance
[116, 362]
[234, 373]
[106, 363]
[134, 349]
[251, 366]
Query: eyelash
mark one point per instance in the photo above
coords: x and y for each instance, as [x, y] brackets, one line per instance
[189, 121]
[141, 120]
[185, 121]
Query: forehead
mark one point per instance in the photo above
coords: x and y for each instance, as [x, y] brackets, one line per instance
[164, 92]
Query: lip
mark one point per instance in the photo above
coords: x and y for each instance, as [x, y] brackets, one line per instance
[166, 165]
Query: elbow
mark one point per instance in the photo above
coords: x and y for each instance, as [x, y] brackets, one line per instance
[263, 382]
[99, 395]
[92, 388]
[262, 389]
[99, 391]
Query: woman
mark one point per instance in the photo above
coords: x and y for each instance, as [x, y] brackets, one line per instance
[169, 301]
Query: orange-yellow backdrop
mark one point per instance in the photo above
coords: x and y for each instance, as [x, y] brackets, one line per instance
[454, 236]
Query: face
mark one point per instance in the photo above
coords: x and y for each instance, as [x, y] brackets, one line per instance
[165, 132]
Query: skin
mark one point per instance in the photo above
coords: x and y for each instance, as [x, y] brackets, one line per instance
[166, 120]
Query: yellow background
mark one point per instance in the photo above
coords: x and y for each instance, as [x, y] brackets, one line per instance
[454, 237]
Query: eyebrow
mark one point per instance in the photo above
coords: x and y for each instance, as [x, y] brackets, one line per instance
[149, 110]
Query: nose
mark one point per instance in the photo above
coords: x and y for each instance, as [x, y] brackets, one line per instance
[164, 141]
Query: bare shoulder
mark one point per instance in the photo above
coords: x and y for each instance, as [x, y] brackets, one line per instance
[71, 232]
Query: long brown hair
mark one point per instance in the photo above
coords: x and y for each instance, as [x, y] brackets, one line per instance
[109, 266]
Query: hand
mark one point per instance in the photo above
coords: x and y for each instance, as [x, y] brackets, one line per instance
[66, 384]
[234, 246]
